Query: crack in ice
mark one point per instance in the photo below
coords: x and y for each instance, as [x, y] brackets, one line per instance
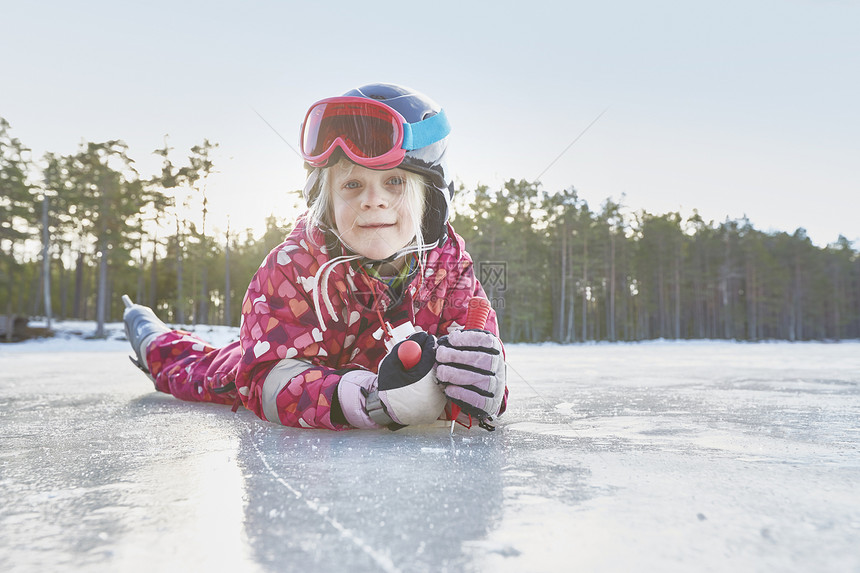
[383, 561]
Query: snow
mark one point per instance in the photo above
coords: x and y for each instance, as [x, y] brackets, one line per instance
[706, 456]
[79, 335]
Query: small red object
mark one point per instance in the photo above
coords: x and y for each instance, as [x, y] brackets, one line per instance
[409, 353]
[477, 313]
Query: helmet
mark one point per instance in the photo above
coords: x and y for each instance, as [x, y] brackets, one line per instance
[429, 161]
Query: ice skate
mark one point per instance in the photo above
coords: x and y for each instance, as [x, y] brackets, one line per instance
[141, 328]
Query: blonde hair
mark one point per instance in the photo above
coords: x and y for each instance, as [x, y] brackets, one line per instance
[320, 211]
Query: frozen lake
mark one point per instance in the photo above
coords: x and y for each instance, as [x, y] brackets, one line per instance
[656, 456]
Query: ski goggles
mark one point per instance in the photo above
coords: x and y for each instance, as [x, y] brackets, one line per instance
[368, 132]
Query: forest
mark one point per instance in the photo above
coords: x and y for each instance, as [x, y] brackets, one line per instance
[78, 230]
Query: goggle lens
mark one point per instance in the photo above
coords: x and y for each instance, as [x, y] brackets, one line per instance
[366, 129]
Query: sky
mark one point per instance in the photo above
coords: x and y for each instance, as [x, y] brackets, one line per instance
[731, 108]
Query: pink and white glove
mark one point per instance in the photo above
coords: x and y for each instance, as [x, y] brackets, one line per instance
[397, 396]
[471, 369]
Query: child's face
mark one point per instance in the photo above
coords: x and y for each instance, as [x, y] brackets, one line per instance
[370, 210]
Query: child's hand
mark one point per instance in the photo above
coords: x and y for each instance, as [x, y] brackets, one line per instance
[397, 396]
[408, 397]
[471, 369]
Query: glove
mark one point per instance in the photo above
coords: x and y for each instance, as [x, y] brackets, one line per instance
[395, 397]
[471, 369]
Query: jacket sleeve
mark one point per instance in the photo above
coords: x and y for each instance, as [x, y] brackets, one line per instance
[284, 374]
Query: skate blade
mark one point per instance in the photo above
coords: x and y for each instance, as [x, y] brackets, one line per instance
[137, 363]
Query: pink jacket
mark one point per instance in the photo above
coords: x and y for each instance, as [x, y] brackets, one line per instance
[281, 325]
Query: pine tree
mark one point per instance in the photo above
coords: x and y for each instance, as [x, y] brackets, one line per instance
[17, 220]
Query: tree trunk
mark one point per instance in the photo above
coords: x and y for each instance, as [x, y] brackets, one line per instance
[46, 262]
[228, 303]
[837, 294]
[611, 323]
[101, 294]
[33, 294]
[77, 306]
[203, 305]
[661, 296]
[584, 287]
[562, 290]
[10, 319]
[678, 292]
[725, 286]
[570, 335]
[141, 273]
[153, 276]
[109, 296]
[64, 288]
[180, 303]
[752, 310]
[798, 298]
[86, 300]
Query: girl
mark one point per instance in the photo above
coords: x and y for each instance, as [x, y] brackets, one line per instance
[373, 262]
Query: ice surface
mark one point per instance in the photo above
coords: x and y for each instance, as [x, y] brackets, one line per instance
[703, 456]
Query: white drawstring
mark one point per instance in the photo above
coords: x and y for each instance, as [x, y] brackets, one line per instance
[320, 286]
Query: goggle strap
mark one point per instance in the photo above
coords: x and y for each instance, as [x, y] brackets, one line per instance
[425, 132]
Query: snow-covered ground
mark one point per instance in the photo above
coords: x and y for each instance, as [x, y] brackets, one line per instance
[702, 456]
[73, 335]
